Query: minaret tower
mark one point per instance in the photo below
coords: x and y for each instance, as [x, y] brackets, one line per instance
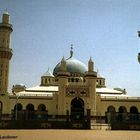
[5, 52]
[91, 77]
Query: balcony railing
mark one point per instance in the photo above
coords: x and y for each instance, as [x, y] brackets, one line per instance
[6, 49]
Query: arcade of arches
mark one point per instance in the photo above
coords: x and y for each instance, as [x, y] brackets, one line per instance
[122, 109]
[122, 114]
[30, 107]
[77, 110]
[30, 112]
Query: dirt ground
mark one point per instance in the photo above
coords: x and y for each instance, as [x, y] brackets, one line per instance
[69, 135]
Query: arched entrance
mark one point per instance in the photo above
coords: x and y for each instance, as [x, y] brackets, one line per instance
[41, 107]
[122, 113]
[134, 116]
[111, 109]
[77, 109]
[133, 110]
[30, 112]
[30, 107]
[18, 107]
[18, 111]
[42, 113]
[122, 109]
[110, 114]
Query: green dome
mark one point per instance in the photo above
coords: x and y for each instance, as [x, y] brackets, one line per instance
[74, 66]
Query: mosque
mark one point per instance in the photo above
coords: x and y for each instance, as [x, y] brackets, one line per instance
[73, 89]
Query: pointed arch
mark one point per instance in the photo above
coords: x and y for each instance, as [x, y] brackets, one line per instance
[133, 109]
[122, 109]
[111, 109]
[77, 109]
[41, 107]
[30, 107]
[18, 107]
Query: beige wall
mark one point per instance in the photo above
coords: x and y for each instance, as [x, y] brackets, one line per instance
[103, 105]
[51, 104]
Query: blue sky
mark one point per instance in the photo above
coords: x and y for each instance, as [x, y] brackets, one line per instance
[103, 29]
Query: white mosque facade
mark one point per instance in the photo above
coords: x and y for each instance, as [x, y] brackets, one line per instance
[73, 89]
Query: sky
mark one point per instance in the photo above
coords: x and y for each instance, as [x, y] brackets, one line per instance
[106, 30]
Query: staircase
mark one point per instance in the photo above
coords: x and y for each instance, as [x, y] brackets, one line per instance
[100, 126]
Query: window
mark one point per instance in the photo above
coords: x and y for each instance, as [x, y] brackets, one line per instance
[100, 82]
[72, 79]
[72, 92]
[77, 80]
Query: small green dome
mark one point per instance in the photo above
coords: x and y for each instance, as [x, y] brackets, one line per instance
[73, 65]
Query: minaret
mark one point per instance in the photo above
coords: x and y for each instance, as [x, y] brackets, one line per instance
[5, 52]
[90, 65]
[63, 67]
[62, 76]
[91, 77]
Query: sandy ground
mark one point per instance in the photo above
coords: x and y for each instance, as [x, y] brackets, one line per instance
[69, 135]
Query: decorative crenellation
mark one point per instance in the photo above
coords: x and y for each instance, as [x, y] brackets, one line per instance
[73, 91]
[6, 53]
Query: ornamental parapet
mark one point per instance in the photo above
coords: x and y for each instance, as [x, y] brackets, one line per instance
[6, 49]
[6, 26]
[74, 91]
[91, 74]
[6, 52]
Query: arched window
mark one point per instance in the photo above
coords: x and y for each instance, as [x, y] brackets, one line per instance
[133, 109]
[122, 109]
[72, 79]
[111, 109]
[100, 82]
[76, 79]
[18, 107]
[30, 107]
[41, 107]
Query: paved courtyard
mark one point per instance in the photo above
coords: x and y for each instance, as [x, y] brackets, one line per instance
[69, 135]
